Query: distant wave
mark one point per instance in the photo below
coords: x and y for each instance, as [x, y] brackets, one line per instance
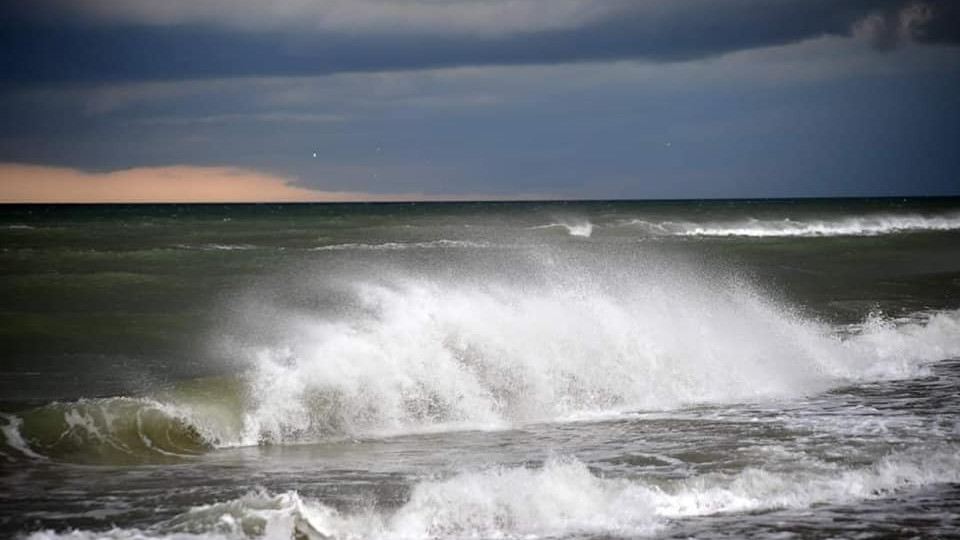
[217, 247]
[396, 246]
[18, 226]
[579, 227]
[851, 226]
[563, 498]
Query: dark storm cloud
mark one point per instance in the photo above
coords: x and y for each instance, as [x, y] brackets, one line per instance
[940, 23]
[931, 22]
[49, 41]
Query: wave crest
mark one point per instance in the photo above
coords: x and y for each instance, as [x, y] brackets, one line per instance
[401, 355]
[422, 355]
[575, 227]
[112, 430]
[561, 498]
[397, 246]
[769, 228]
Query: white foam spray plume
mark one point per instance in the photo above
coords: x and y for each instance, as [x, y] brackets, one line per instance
[425, 353]
[393, 354]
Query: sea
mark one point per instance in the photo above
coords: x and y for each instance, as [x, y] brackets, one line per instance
[504, 370]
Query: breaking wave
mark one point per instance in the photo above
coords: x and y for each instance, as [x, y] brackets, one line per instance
[110, 430]
[421, 362]
[217, 247]
[760, 228]
[561, 498]
[575, 227]
[420, 356]
[380, 354]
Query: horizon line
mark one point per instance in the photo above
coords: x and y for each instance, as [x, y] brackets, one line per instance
[485, 201]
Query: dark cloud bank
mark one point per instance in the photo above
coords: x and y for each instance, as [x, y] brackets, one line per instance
[39, 44]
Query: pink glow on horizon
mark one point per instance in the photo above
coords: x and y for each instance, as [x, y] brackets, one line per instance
[20, 183]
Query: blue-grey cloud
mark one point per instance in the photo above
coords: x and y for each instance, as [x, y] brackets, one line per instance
[826, 117]
[108, 40]
[792, 100]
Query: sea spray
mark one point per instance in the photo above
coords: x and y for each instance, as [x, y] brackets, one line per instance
[445, 384]
[402, 354]
[421, 352]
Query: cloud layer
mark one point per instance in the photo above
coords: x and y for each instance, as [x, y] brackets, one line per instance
[95, 40]
[388, 99]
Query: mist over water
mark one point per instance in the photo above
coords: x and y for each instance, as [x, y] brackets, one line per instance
[444, 371]
[404, 351]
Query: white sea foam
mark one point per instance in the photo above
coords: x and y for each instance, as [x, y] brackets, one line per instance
[396, 246]
[217, 247]
[420, 354]
[13, 437]
[866, 225]
[561, 498]
[575, 227]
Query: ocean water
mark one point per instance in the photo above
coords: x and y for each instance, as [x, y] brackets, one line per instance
[720, 369]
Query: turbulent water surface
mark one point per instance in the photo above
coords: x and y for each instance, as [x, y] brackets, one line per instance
[483, 370]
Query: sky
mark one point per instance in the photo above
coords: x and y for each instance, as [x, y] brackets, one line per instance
[337, 100]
